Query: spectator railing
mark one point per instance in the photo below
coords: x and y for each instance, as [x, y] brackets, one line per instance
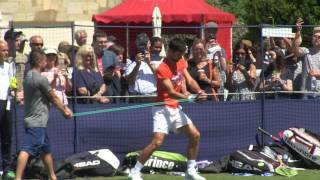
[225, 126]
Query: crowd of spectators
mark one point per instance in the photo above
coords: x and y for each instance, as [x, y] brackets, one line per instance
[100, 72]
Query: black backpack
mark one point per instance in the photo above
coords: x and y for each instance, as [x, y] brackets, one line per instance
[100, 162]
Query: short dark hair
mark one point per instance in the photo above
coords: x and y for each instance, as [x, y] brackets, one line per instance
[112, 38]
[177, 44]
[211, 36]
[36, 57]
[99, 33]
[117, 49]
[142, 39]
[155, 39]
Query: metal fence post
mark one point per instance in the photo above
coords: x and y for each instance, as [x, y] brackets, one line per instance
[262, 79]
[74, 106]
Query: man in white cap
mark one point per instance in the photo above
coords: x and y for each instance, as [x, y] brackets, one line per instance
[16, 40]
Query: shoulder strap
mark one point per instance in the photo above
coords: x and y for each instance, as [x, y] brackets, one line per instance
[214, 96]
[210, 69]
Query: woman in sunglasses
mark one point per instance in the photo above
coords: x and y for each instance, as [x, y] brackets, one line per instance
[241, 74]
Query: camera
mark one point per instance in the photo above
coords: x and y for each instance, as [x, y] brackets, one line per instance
[141, 49]
[267, 57]
[236, 60]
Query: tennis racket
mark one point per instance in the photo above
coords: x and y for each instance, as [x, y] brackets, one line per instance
[274, 138]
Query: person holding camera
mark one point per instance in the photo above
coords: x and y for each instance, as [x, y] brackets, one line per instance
[277, 76]
[217, 54]
[57, 75]
[140, 73]
[241, 74]
[88, 80]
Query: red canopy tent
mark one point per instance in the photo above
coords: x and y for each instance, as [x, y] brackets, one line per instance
[174, 13]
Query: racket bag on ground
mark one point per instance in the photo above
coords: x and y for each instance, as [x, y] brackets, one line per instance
[159, 161]
[100, 162]
[305, 143]
[289, 157]
[246, 161]
[219, 166]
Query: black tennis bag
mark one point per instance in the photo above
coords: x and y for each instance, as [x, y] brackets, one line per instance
[305, 143]
[100, 162]
[159, 161]
[246, 161]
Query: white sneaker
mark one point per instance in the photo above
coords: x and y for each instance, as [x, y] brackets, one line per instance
[134, 176]
[193, 175]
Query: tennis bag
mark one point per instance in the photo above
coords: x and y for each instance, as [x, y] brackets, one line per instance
[246, 161]
[305, 143]
[159, 161]
[100, 162]
[288, 157]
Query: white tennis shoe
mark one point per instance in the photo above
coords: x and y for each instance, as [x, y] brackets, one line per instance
[193, 175]
[135, 176]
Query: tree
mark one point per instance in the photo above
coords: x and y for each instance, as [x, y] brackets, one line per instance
[284, 12]
[277, 12]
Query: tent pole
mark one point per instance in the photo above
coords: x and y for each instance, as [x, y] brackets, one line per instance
[127, 40]
[202, 27]
[202, 30]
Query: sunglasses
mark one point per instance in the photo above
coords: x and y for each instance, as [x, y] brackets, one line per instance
[37, 44]
[316, 36]
[240, 53]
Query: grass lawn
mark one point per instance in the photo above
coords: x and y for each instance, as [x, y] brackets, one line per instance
[303, 175]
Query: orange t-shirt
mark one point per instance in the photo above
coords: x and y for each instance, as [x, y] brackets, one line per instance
[175, 74]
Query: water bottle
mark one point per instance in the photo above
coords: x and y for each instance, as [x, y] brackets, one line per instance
[285, 158]
[216, 59]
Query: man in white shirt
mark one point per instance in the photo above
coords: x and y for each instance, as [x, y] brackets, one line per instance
[140, 73]
[310, 64]
[5, 112]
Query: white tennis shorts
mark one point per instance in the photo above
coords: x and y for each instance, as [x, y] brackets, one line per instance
[167, 119]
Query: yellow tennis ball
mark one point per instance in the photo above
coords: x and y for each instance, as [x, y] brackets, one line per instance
[13, 83]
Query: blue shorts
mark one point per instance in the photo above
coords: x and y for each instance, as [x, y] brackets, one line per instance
[36, 142]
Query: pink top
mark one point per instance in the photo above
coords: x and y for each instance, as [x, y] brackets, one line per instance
[100, 66]
[60, 85]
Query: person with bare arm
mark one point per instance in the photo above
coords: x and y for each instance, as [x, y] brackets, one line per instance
[170, 75]
[38, 96]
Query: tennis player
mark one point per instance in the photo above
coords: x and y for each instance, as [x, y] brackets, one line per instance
[169, 117]
[38, 95]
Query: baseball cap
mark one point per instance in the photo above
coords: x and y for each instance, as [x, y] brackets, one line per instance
[11, 34]
[50, 51]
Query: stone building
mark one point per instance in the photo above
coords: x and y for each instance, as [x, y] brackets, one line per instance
[33, 16]
[53, 10]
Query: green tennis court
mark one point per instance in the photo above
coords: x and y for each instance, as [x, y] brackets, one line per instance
[303, 175]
